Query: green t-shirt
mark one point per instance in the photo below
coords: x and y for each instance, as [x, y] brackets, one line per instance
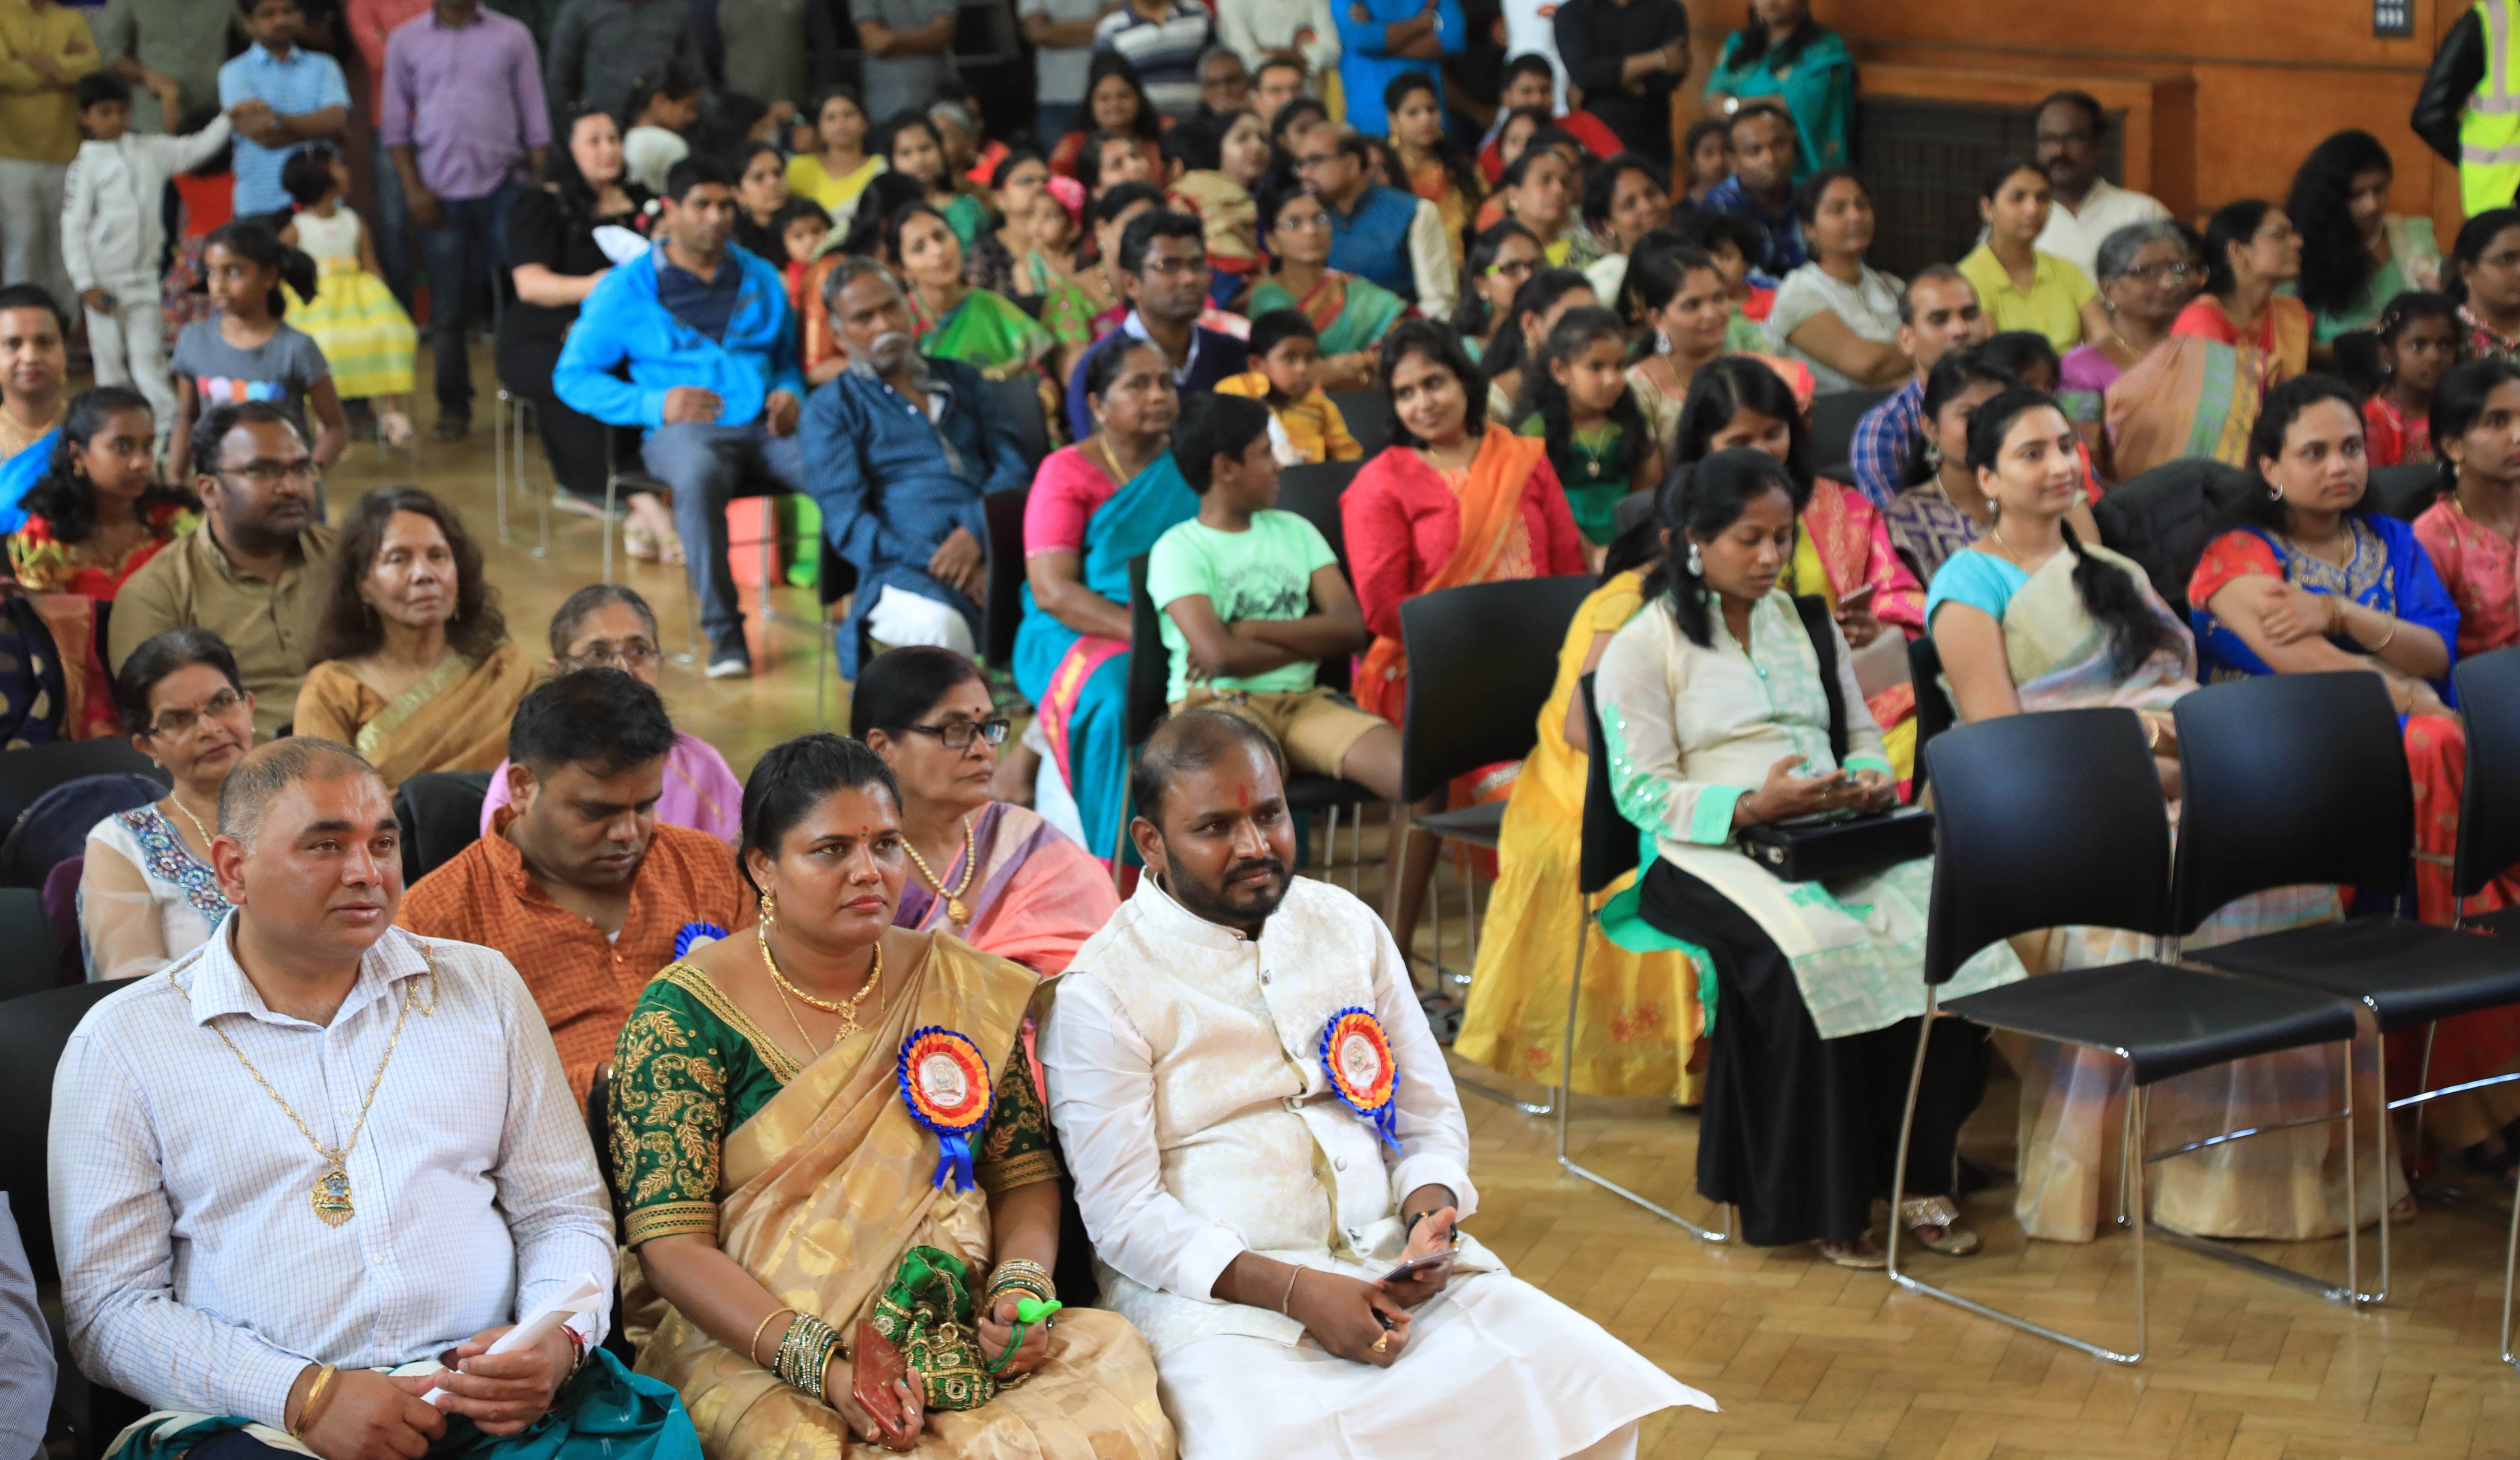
[1263, 573]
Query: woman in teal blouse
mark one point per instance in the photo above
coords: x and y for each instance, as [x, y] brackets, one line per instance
[1781, 51]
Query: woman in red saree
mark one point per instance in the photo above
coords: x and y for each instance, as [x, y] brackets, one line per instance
[1455, 499]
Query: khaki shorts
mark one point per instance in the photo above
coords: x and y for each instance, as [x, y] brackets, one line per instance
[1316, 727]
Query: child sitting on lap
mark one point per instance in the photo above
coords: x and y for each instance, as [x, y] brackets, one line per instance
[1307, 426]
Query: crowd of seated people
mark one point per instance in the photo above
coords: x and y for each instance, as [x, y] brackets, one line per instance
[830, 1093]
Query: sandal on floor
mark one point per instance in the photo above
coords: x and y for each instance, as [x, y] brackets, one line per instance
[394, 428]
[1936, 1222]
[1863, 1254]
[641, 543]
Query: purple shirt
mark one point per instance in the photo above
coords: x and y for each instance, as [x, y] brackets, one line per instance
[469, 100]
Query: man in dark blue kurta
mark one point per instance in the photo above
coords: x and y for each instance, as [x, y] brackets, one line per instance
[899, 449]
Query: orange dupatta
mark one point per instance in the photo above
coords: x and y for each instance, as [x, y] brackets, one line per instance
[1491, 505]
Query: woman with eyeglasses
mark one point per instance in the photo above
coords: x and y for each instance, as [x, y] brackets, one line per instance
[2250, 249]
[608, 625]
[1502, 260]
[2165, 390]
[147, 896]
[990, 872]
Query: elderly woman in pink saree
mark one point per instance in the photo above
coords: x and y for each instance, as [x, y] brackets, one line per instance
[992, 873]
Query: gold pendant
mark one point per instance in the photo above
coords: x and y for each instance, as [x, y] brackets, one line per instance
[955, 910]
[330, 1197]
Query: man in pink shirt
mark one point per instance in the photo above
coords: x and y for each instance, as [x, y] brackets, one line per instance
[371, 22]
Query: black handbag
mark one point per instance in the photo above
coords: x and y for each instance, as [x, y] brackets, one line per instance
[1828, 848]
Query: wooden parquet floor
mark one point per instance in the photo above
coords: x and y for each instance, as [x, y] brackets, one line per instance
[1807, 1360]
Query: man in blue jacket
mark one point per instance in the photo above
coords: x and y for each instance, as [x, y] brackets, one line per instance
[703, 333]
[900, 450]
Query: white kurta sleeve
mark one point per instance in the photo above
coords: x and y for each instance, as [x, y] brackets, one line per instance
[1430, 263]
[1102, 1077]
[1435, 1138]
[1635, 691]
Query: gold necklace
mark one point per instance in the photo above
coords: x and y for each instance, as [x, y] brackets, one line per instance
[847, 1009]
[330, 1194]
[178, 803]
[845, 1033]
[970, 868]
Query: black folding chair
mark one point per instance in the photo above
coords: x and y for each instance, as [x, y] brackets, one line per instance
[1934, 711]
[2287, 779]
[34, 964]
[28, 773]
[1003, 613]
[1834, 419]
[1019, 396]
[2489, 844]
[1312, 491]
[441, 812]
[2402, 492]
[1610, 850]
[1369, 419]
[1482, 661]
[2003, 791]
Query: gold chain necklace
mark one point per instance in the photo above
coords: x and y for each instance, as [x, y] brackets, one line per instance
[847, 1009]
[178, 803]
[953, 908]
[330, 1194]
[845, 1036]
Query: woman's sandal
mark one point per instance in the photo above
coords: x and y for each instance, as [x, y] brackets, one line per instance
[1936, 1222]
[1863, 1254]
[638, 542]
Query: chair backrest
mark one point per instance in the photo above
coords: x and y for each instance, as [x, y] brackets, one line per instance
[2402, 492]
[1368, 417]
[834, 576]
[28, 773]
[1150, 663]
[441, 812]
[2286, 779]
[2155, 518]
[54, 828]
[1482, 660]
[1609, 840]
[1934, 712]
[60, 919]
[1004, 511]
[1834, 419]
[2045, 821]
[31, 1038]
[32, 965]
[2489, 804]
[1019, 397]
[1311, 491]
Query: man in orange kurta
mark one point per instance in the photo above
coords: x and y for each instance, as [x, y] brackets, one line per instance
[580, 886]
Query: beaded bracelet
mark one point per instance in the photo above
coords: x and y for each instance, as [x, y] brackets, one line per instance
[805, 1354]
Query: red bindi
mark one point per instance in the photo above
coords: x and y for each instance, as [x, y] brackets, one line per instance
[1245, 793]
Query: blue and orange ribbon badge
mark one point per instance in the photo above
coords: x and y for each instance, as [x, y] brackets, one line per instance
[1356, 1055]
[946, 1085]
[695, 935]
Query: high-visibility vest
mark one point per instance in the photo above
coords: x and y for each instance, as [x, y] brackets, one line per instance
[2489, 128]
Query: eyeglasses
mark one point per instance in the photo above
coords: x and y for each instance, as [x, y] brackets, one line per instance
[268, 471]
[1175, 268]
[1510, 268]
[2147, 273]
[173, 723]
[1309, 163]
[958, 735]
[603, 653]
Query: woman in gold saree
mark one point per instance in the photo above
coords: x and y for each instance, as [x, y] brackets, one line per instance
[778, 1185]
[415, 668]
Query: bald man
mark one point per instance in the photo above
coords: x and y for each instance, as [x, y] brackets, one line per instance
[371, 1146]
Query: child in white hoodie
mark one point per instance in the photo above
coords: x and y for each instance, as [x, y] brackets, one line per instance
[112, 240]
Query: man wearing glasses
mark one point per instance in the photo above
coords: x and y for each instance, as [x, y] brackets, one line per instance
[1165, 270]
[579, 883]
[2069, 127]
[249, 575]
[1379, 233]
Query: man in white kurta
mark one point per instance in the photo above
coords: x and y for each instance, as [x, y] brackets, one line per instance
[1243, 1211]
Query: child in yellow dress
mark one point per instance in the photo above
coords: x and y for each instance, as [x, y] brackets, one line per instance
[1305, 425]
[364, 333]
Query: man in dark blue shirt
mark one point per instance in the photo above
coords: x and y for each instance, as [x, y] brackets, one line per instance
[1762, 185]
[1164, 271]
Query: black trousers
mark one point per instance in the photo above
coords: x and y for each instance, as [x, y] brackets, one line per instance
[1801, 1132]
[574, 440]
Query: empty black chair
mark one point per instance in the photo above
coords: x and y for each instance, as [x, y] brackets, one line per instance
[2055, 819]
[1019, 397]
[2288, 779]
[1834, 419]
[1482, 661]
[1369, 419]
[1609, 850]
[2402, 492]
[28, 773]
[441, 812]
[33, 963]
[1003, 613]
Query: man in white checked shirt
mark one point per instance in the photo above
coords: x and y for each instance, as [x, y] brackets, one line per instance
[322, 1148]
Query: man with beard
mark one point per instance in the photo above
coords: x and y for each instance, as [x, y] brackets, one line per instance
[1165, 272]
[709, 345]
[251, 573]
[2069, 128]
[900, 450]
[579, 883]
[1261, 1128]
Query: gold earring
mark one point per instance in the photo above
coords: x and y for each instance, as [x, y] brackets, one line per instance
[769, 909]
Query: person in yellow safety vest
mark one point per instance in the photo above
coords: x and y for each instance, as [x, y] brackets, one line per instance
[2470, 107]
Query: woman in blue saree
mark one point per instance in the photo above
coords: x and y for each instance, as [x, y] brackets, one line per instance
[1095, 506]
[33, 333]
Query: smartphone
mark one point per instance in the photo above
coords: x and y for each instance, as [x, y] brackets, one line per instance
[1854, 603]
[1433, 1262]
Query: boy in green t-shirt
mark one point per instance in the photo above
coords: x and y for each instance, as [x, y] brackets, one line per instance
[1253, 600]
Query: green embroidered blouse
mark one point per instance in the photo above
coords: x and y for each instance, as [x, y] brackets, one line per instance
[690, 1067]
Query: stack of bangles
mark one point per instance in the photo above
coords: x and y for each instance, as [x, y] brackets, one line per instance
[318, 1394]
[805, 1352]
[1019, 1275]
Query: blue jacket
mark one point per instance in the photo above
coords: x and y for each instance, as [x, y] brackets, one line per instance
[1365, 68]
[1373, 241]
[622, 323]
[893, 485]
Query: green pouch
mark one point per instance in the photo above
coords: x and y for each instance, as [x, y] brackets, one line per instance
[925, 1311]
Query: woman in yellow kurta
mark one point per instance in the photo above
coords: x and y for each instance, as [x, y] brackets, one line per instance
[781, 1106]
[413, 666]
[1638, 1021]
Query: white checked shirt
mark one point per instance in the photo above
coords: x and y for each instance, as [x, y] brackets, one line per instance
[195, 1274]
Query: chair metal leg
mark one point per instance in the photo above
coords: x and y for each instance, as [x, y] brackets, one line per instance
[516, 454]
[611, 494]
[499, 459]
[2510, 1258]
[1566, 1099]
[2134, 1139]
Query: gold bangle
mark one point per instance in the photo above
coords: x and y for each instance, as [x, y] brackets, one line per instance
[1289, 1298]
[315, 1395]
[752, 1350]
[2385, 637]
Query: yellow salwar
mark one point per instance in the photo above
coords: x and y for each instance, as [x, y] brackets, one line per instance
[1639, 1018]
[820, 1192]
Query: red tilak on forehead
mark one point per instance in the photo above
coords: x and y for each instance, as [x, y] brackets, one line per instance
[1245, 794]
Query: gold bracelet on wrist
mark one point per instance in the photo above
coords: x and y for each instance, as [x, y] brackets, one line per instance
[2385, 637]
[752, 1350]
[316, 1394]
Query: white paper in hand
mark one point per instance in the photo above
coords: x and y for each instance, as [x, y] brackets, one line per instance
[585, 1296]
[619, 244]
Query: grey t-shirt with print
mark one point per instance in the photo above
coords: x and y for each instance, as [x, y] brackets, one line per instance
[281, 369]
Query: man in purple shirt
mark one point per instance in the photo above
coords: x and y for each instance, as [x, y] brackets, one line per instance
[462, 108]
